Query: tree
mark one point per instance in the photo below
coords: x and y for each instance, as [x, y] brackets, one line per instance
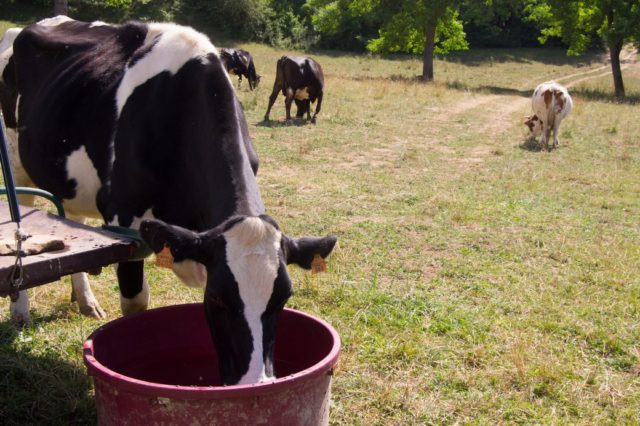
[60, 7]
[424, 27]
[576, 21]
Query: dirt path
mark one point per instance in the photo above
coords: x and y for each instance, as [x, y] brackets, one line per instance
[504, 107]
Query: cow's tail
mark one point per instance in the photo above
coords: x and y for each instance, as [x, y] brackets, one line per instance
[280, 74]
[550, 103]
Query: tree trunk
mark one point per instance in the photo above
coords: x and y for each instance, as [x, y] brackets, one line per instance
[615, 47]
[614, 54]
[60, 7]
[427, 54]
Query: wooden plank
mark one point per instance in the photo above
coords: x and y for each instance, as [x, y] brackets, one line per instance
[86, 248]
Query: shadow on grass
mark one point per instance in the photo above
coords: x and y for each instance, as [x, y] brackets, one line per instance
[602, 96]
[484, 56]
[40, 388]
[496, 90]
[547, 56]
[294, 122]
[531, 144]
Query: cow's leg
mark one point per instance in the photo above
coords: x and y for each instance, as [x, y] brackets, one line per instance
[544, 137]
[299, 108]
[134, 290]
[239, 80]
[318, 106]
[81, 289]
[81, 293]
[287, 105]
[272, 99]
[556, 129]
[19, 310]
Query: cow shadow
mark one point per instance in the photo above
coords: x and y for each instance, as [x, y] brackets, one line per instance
[38, 387]
[531, 144]
[294, 122]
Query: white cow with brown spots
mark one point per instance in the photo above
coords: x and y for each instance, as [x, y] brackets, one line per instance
[550, 104]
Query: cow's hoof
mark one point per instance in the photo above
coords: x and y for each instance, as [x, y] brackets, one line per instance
[313, 120]
[93, 311]
[20, 321]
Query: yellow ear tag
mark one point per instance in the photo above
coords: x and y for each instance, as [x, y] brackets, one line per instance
[318, 264]
[164, 258]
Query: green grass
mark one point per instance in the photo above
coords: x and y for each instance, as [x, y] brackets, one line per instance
[477, 280]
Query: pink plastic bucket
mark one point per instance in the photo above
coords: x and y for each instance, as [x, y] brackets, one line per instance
[159, 367]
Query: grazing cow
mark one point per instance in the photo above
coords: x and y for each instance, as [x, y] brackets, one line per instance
[239, 62]
[300, 79]
[139, 124]
[550, 103]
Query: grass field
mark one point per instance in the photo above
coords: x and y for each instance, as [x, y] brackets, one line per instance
[477, 279]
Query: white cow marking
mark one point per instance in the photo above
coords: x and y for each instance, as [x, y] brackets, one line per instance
[252, 256]
[98, 24]
[183, 43]
[55, 21]
[6, 47]
[81, 169]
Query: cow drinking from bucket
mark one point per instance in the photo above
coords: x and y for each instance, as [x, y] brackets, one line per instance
[300, 79]
[239, 62]
[139, 124]
[550, 104]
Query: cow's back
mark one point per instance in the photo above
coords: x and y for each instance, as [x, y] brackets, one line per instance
[297, 72]
[67, 76]
[551, 100]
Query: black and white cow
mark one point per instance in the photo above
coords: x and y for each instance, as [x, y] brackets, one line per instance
[240, 62]
[300, 79]
[139, 124]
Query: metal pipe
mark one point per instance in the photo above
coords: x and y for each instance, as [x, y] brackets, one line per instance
[25, 190]
[8, 176]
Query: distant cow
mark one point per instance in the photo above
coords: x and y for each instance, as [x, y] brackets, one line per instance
[300, 79]
[550, 104]
[239, 62]
[138, 124]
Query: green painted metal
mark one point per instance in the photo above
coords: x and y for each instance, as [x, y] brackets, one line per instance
[141, 251]
[24, 190]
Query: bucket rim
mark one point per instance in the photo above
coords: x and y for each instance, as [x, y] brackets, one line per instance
[125, 383]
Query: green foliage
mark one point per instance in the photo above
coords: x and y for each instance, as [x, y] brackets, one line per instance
[577, 23]
[387, 26]
[405, 32]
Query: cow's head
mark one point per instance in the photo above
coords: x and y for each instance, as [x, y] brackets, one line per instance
[247, 284]
[534, 124]
[254, 80]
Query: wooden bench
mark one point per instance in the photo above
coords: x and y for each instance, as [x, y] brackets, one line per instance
[86, 249]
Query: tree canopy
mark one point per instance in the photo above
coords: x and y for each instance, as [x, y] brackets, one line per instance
[419, 27]
[577, 22]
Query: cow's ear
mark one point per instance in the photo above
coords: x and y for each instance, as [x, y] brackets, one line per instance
[301, 251]
[183, 243]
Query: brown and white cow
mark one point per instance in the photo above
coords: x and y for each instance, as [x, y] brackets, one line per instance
[550, 104]
[300, 79]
